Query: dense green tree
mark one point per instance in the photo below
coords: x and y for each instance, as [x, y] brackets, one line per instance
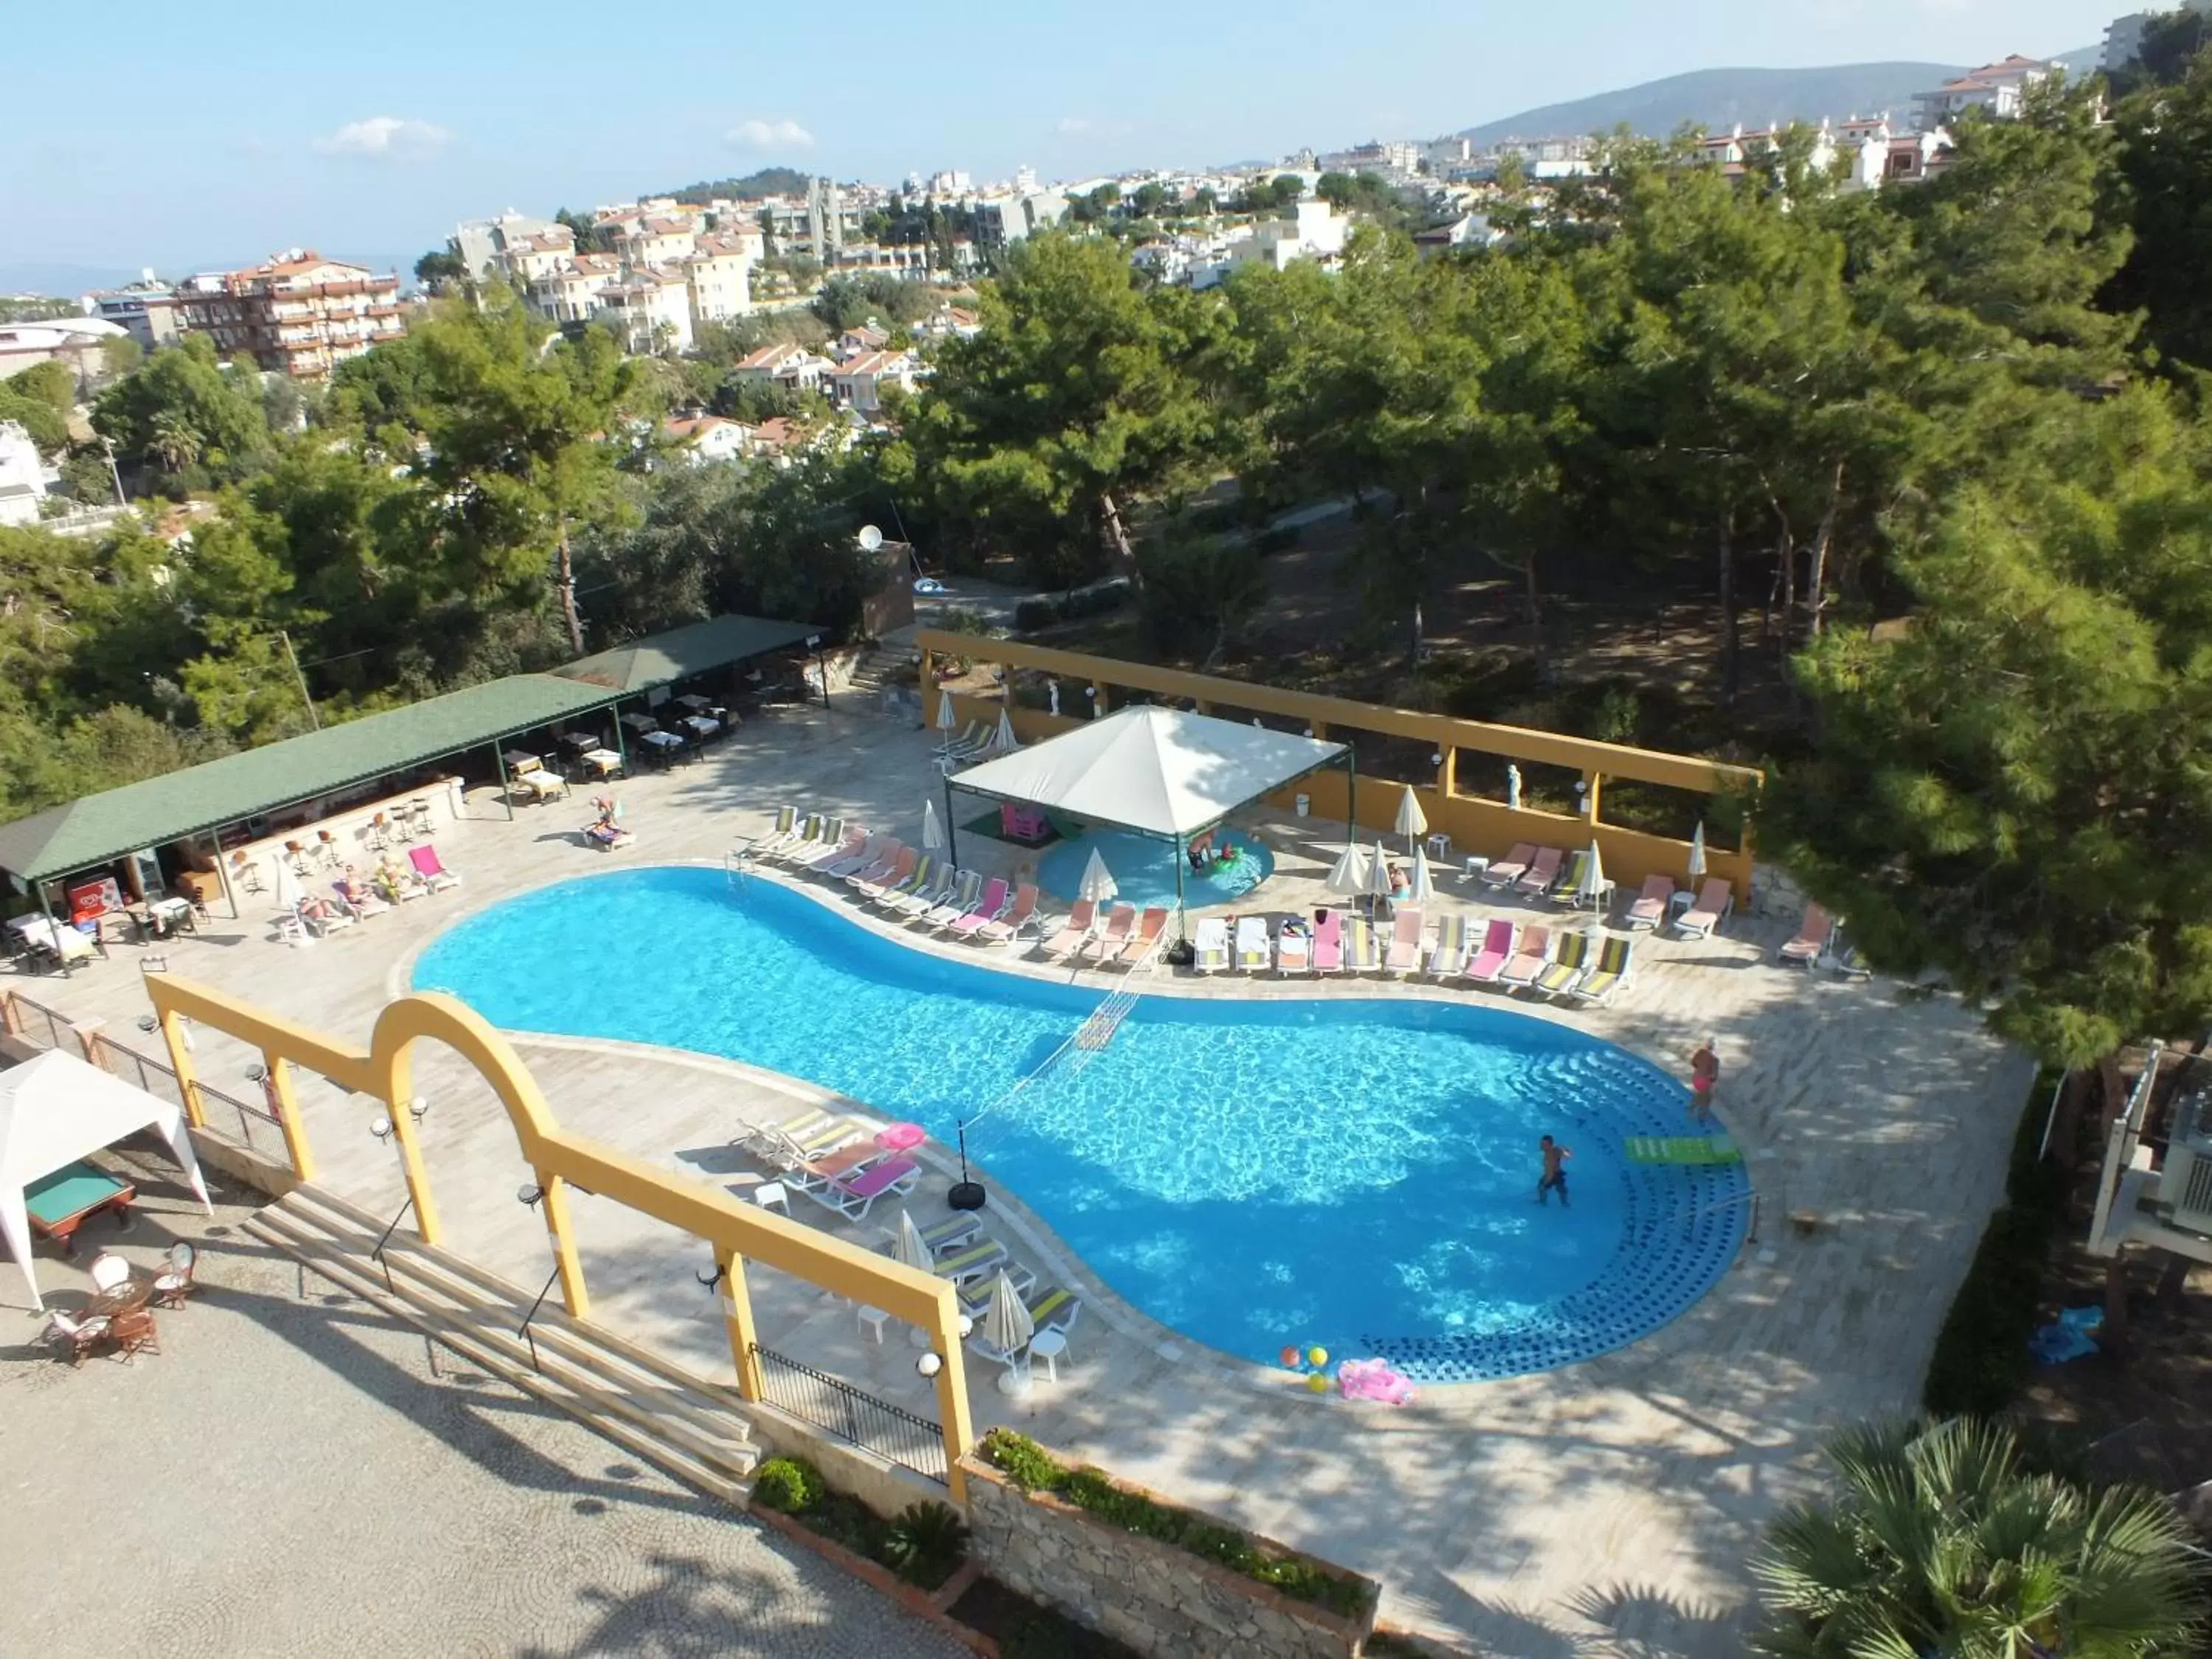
[1942, 1539]
[178, 412]
[441, 271]
[1076, 395]
[47, 426]
[2165, 166]
[2008, 786]
[847, 302]
[51, 383]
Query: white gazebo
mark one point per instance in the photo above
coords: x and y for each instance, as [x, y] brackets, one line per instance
[1161, 772]
[55, 1109]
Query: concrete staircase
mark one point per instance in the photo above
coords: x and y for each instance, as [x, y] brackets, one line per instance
[657, 1411]
[872, 675]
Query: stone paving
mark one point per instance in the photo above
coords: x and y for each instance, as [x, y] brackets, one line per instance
[1607, 1506]
[286, 1479]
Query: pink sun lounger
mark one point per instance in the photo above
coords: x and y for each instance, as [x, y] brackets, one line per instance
[1329, 943]
[1496, 950]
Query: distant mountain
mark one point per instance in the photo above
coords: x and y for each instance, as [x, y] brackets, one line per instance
[1756, 97]
[34, 277]
[768, 181]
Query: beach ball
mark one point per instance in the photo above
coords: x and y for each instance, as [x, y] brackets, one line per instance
[1316, 1383]
[1291, 1358]
[1316, 1357]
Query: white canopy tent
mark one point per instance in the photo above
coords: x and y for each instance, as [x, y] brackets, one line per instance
[54, 1109]
[1162, 772]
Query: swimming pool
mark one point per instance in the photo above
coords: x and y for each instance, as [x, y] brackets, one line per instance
[1358, 1174]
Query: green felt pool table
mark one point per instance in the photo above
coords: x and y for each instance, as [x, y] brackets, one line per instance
[60, 1203]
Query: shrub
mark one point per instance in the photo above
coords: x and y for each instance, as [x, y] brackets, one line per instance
[843, 1519]
[1616, 716]
[1031, 1467]
[1280, 540]
[787, 1485]
[1981, 1354]
[1044, 610]
[925, 1544]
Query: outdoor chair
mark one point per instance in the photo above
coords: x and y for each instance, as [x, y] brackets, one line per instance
[174, 1282]
[133, 1331]
[110, 1271]
[75, 1337]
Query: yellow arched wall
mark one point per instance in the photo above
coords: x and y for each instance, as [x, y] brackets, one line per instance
[562, 1160]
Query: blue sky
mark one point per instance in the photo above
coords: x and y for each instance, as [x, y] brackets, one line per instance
[176, 136]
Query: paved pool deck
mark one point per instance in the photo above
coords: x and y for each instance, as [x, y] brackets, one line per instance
[1608, 1506]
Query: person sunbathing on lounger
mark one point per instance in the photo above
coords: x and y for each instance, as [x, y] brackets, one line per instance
[606, 830]
[352, 890]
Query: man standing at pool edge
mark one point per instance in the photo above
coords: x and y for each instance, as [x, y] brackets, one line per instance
[1555, 1172]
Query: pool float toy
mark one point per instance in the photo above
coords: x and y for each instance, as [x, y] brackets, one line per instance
[1373, 1379]
[2068, 1338]
[1690, 1150]
[928, 585]
[1290, 1357]
[1316, 1383]
[1316, 1357]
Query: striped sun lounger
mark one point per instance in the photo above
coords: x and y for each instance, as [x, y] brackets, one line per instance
[1209, 945]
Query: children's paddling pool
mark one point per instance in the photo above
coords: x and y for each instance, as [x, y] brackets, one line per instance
[1356, 1174]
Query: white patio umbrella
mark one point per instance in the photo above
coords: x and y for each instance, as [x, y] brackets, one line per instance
[1593, 881]
[1422, 889]
[287, 892]
[1003, 741]
[1349, 876]
[1412, 821]
[933, 832]
[911, 1248]
[946, 719]
[1697, 866]
[1007, 1327]
[1378, 873]
[1097, 884]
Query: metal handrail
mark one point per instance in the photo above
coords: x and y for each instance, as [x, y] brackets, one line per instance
[524, 1330]
[384, 1238]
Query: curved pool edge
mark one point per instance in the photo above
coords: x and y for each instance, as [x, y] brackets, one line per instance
[1164, 1341]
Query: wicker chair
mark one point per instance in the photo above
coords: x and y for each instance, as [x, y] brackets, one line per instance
[110, 1271]
[174, 1282]
[134, 1330]
[75, 1337]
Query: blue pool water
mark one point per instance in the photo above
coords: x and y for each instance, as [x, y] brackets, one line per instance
[1144, 868]
[1355, 1174]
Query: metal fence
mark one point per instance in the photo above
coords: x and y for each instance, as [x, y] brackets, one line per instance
[891, 1433]
[36, 1022]
[217, 1106]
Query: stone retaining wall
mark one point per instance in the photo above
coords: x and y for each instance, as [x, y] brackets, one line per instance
[1155, 1598]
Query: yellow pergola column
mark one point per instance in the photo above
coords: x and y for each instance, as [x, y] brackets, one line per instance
[180, 1062]
[1592, 780]
[737, 1311]
[952, 1418]
[285, 1103]
[1448, 774]
[561, 1225]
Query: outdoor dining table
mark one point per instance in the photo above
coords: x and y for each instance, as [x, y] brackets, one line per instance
[698, 725]
[605, 761]
[641, 723]
[58, 1204]
[695, 702]
[581, 742]
[666, 745]
[132, 1294]
[520, 761]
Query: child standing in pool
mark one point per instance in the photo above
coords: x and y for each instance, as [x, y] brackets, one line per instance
[1555, 1172]
[1704, 1077]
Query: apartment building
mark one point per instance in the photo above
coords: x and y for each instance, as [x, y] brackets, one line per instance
[859, 382]
[718, 273]
[2000, 90]
[652, 308]
[146, 310]
[298, 313]
[478, 244]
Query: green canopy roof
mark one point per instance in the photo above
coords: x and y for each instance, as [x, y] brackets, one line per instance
[659, 660]
[92, 831]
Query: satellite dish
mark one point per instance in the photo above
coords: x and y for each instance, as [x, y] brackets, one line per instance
[871, 538]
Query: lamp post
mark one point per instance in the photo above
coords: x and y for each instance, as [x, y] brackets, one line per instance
[966, 1194]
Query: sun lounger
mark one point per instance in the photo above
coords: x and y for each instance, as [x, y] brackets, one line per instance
[784, 827]
[1147, 934]
[1716, 903]
[1209, 945]
[877, 861]
[1404, 956]
[1529, 960]
[1560, 974]
[1119, 920]
[840, 1162]
[1019, 914]
[1613, 964]
[854, 1196]
[899, 883]
[938, 889]
[996, 898]
[1253, 954]
[874, 880]
[1846, 958]
[359, 904]
[1496, 950]
[764, 1134]
[1650, 908]
[1359, 951]
[952, 1233]
[1570, 889]
[1328, 942]
[983, 1258]
[1812, 941]
[430, 869]
[972, 740]
[1080, 921]
[1510, 868]
[1542, 873]
[966, 889]
[1448, 955]
[1293, 949]
[1052, 1308]
[815, 837]
[852, 844]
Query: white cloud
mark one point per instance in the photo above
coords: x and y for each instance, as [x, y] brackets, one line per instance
[383, 138]
[1074, 124]
[758, 133]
